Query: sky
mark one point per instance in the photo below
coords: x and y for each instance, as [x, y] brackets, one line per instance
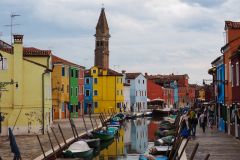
[153, 36]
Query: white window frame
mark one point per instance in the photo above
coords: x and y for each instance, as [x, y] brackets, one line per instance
[94, 70]
[230, 74]
[95, 102]
[45, 91]
[237, 73]
[71, 91]
[121, 92]
[50, 95]
[88, 92]
[94, 92]
[117, 80]
[118, 92]
[88, 80]
[5, 64]
[67, 88]
[94, 80]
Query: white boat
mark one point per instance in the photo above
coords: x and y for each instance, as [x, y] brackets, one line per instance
[79, 149]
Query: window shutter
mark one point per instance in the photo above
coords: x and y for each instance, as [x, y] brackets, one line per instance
[5, 63]
[1, 65]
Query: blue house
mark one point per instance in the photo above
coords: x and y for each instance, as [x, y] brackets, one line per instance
[88, 92]
[174, 85]
[138, 91]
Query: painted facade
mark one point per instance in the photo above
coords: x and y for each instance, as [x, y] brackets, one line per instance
[88, 91]
[127, 102]
[28, 108]
[107, 90]
[138, 91]
[81, 90]
[168, 96]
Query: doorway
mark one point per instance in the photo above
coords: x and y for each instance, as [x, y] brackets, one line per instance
[74, 110]
[89, 108]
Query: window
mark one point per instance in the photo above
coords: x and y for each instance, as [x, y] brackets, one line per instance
[78, 89]
[95, 92]
[237, 73]
[71, 108]
[136, 93]
[97, 43]
[117, 80]
[4, 64]
[139, 81]
[82, 89]
[230, 73]
[145, 93]
[95, 104]
[76, 92]
[71, 72]
[71, 91]
[94, 71]
[140, 93]
[143, 81]
[77, 72]
[63, 88]
[128, 81]
[101, 43]
[76, 107]
[63, 71]
[87, 92]
[67, 88]
[50, 94]
[62, 106]
[87, 81]
[67, 72]
[118, 92]
[118, 105]
[225, 71]
[107, 44]
[121, 80]
[95, 80]
[121, 92]
[45, 91]
[232, 76]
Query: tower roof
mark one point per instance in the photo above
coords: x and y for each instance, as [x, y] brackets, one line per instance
[102, 21]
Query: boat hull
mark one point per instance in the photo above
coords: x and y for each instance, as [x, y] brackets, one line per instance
[156, 111]
[93, 143]
[79, 154]
[103, 136]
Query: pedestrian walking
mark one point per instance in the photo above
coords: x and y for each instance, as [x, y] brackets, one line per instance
[202, 117]
[192, 113]
[198, 115]
[194, 124]
[211, 124]
[210, 115]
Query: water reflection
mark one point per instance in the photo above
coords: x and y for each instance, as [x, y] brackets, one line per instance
[131, 141]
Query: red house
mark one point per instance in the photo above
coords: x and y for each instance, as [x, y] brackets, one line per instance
[81, 92]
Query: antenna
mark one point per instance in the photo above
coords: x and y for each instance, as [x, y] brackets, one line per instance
[12, 16]
[102, 6]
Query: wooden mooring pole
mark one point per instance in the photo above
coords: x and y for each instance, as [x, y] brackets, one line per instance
[56, 139]
[194, 151]
[42, 148]
[51, 145]
[62, 135]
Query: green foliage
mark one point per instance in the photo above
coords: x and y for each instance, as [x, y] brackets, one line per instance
[155, 133]
[171, 132]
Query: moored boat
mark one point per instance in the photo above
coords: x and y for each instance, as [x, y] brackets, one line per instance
[93, 143]
[79, 149]
[146, 157]
[160, 150]
[103, 136]
[164, 111]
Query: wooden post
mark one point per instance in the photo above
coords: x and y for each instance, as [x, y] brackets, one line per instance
[206, 157]
[41, 148]
[76, 131]
[176, 151]
[194, 151]
[91, 122]
[96, 124]
[184, 148]
[56, 139]
[101, 120]
[84, 124]
[62, 135]
[51, 145]
[72, 129]
[169, 145]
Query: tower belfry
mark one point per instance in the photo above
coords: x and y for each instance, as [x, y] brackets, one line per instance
[102, 42]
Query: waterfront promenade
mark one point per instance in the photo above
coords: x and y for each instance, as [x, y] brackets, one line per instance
[29, 145]
[220, 145]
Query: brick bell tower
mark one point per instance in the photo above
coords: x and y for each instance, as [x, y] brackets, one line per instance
[102, 42]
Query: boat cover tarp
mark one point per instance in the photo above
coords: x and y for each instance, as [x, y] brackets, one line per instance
[79, 146]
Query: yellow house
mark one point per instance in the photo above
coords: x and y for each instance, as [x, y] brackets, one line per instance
[202, 94]
[27, 104]
[107, 90]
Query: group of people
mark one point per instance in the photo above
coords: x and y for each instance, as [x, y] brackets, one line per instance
[201, 117]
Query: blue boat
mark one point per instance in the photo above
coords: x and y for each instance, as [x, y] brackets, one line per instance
[144, 157]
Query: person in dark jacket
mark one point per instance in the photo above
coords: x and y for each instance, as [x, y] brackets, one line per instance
[194, 124]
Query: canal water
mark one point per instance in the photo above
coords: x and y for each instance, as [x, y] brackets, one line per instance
[134, 138]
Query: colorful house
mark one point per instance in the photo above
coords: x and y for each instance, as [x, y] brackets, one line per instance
[138, 91]
[107, 90]
[28, 107]
[67, 93]
[88, 91]
[174, 85]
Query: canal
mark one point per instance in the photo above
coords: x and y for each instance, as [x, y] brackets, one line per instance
[135, 138]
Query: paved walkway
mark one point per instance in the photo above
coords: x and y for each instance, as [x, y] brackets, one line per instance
[220, 145]
[29, 145]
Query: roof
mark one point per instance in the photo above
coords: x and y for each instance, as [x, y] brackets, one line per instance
[231, 24]
[180, 85]
[37, 64]
[110, 72]
[235, 54]
[192, 85]
[168, 78]
[31, 51]
[87, 72]
[132, 75]
[102, 21]
[126, 84]
[57, 60]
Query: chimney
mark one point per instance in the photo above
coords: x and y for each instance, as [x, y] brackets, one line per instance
[123, 71]
[146, 74]
[18, 39]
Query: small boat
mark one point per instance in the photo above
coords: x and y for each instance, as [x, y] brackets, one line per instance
[164, 141]
[103, 136]
[164, 111]
[121, 115]
[93, 143]
[79, 149]
[146, 157]
[113, 125]
[165, 127]
[160, 150]
[148, 114]
[96, 151]
[139, 115]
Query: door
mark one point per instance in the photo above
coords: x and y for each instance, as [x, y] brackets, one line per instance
[90, 108]
[74, 110]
